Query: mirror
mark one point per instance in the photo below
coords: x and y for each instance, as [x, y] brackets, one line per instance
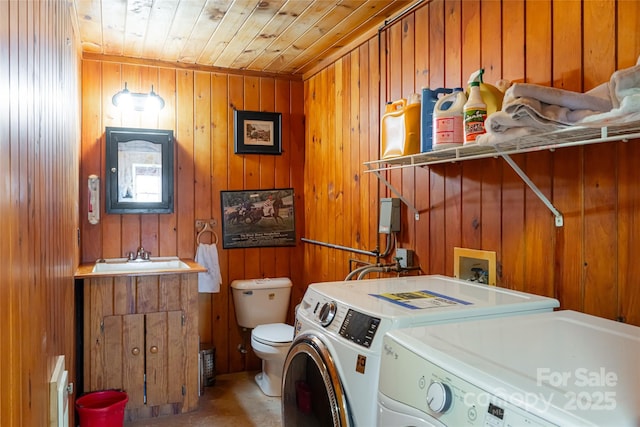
[139, 170]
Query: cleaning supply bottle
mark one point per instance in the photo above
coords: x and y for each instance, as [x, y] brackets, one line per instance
[400, 128]
[491, 95]
[475, 112]
[429, 99]
[448, 124]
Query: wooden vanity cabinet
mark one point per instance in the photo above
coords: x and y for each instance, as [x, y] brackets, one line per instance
[141, 336]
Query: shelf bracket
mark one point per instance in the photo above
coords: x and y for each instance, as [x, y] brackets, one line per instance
[535, 189]
[396, 192]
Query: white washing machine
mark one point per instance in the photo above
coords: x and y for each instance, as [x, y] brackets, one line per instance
[331, 371]
[549, 369]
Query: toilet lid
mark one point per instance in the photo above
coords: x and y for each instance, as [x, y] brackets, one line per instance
[273, 333]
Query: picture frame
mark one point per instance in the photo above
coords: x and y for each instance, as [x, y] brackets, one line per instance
[258, 218]
[257, 132]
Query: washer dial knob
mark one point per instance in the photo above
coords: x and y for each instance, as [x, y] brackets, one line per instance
[327, 313]
[439, 397]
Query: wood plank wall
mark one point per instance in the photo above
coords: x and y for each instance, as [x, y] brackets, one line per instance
[590, 263]
[39, 158]
[199, 108]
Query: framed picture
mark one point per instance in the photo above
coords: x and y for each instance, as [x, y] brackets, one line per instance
[258, 218]
[257, 132]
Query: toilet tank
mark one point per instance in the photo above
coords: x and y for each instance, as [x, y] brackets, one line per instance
[261, 301]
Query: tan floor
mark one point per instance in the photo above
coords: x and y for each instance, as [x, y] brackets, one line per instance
[235, 400]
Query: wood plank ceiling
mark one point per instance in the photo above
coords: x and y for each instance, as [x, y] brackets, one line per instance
[269, 36]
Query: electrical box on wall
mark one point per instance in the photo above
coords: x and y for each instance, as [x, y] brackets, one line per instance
[405, 257]
[389, 215]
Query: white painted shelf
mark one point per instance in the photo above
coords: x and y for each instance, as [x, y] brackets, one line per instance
[570, 137]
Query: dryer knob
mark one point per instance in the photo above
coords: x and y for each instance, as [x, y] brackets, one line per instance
[439, 397]
[327, 313]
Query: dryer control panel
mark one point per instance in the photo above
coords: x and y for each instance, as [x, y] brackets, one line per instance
[408, 379]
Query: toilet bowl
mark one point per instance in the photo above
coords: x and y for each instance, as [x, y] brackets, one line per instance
[261, 305]
[271, 343]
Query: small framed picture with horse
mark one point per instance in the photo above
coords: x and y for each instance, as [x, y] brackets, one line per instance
[258, 218]
[257, 132]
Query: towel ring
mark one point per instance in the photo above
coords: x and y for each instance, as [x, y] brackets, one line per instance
[207, 228]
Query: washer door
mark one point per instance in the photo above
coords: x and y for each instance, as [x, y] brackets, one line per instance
[312, 393]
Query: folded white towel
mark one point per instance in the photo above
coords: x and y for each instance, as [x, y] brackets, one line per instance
[533, 109]
[207, 256]
[596, 101]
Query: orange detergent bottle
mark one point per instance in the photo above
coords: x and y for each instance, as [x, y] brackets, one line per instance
[400, 128]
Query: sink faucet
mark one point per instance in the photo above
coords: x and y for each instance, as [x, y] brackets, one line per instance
[142, 254]
[139, 255]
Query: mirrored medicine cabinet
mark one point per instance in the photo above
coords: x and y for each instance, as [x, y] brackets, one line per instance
[139, 175]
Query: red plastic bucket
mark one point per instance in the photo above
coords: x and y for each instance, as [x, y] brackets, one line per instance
[303, 396]
[102, 408]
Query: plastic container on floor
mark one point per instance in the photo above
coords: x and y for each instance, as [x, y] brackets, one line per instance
[102, 408]
[303, 397]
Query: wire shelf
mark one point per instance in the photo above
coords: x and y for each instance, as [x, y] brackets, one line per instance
[569, 137]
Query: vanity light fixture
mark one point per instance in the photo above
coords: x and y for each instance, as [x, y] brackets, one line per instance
[127, 100]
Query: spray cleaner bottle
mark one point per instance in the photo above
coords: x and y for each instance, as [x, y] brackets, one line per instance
[475, 110]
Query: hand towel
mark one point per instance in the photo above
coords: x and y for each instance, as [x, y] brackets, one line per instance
[207, 256]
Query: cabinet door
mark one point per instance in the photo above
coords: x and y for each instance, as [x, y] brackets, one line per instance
[147, 348]
[165, 358]
[176, 356]
[132, 358]
[111, 364]
[123, 362]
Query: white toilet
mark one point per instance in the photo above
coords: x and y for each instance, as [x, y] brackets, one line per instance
[261, 305]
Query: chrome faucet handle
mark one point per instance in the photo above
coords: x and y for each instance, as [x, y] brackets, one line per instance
[146, 255]
[131, 256]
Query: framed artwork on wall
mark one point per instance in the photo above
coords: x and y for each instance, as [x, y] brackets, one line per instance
[257, 132]
[258, 218]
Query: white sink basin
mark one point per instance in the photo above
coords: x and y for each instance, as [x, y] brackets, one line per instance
[122, 265]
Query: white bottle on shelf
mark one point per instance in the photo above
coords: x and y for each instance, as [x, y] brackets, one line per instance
[448, 126]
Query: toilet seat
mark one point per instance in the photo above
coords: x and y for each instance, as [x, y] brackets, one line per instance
[273, 334]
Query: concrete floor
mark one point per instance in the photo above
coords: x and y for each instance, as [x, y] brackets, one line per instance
[235, 400]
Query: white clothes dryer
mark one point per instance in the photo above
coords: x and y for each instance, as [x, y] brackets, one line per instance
[331, 371]
[548, 369]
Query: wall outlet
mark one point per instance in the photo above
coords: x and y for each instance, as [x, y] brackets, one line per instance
[405, 257]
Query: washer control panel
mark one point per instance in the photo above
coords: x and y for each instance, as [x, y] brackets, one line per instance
[359, 328]
[336, 318]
